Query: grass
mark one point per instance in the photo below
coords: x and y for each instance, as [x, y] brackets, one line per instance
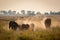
[51, 34]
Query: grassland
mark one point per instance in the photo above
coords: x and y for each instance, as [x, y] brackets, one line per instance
[48, 34]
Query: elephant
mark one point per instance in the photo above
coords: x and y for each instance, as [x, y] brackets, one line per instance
[24, 26]
[13, 25]
[48, 22]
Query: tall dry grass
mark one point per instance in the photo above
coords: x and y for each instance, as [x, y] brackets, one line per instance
[49, 34]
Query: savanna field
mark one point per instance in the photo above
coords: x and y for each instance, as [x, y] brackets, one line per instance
[48, 34]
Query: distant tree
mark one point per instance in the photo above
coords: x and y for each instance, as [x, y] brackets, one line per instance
[30, 12]
[4, 12]
[23, 12]
[59, 13]
[46, 13]
[1, 12]
[52, 13]
[18, 14]
[38, 13]
[11, 12]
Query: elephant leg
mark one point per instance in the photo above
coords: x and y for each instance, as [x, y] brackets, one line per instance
[12, 27]
[15, 28]
[9, 27]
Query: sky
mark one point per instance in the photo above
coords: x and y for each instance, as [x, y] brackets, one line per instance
[33, 5]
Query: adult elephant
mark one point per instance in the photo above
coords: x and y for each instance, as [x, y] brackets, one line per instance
[13, 25]
[48, 22]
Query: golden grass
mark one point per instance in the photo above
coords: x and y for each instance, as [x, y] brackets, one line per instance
[50, 34]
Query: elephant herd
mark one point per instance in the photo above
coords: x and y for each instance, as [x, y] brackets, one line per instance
[13, 25]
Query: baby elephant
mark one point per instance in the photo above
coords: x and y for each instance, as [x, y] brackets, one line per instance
[24, 26]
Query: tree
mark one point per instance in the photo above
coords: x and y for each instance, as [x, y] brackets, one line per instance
[11, 13]
[38, 13]
[23, 12]
[30, 13]
[4, 12]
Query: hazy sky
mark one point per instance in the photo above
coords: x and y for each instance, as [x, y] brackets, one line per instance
[36, 5]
